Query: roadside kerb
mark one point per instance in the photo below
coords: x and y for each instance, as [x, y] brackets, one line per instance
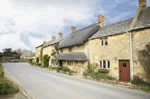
[16, 84]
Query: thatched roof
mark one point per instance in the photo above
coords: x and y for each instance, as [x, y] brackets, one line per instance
[80, 36]
[75, 56]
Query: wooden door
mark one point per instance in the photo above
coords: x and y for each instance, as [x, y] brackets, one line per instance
[124, 70]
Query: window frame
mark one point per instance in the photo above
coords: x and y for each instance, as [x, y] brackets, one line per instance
[106, 41]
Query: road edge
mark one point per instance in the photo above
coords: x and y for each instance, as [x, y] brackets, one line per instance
[16, 83]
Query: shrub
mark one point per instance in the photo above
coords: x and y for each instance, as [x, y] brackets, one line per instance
[45, 59]
[58, 69]
[98, 76]
[65, 69]
[90, 68]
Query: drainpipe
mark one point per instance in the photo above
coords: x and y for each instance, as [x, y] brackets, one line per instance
[131, 57]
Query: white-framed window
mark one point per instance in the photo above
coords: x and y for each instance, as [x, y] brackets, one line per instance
[104, 41]
[104, 64]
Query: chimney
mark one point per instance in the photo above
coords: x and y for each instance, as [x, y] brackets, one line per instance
[101, 20]
[143, 3]
[73, 29]
[44, 42]
[53, 38]
[60, 35]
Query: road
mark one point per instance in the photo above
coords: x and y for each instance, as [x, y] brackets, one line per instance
[43, 84]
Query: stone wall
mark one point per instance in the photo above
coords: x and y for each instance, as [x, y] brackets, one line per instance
[141, 56]
[78, 48]
[77, 66]
[117, 49]
[37, 53]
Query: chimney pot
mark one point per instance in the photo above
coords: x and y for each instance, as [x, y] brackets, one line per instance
[73, 29]
[101, 20]
[44, 42]
[60, 35]
[143, 3]
[53, 38]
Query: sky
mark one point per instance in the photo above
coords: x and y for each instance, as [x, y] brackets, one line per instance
[26, 24]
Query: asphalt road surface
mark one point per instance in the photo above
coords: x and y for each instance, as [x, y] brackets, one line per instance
[43, 84]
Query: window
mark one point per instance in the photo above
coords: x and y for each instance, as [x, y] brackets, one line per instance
[52, 61]
[102, 42]
[104, 64]
[108, 64]
[100, 64]
[70, 49]
[124, 64]
[61, 50]
[69, 63]
[106, 41]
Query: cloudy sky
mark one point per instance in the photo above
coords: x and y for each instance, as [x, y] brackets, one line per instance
[27, 23]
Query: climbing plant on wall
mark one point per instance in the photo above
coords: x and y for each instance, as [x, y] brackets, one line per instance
[46, 60]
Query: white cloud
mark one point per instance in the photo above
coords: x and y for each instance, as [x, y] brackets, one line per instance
[40, 17]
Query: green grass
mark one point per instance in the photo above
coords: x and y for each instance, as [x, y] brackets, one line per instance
[141, 85]
[5, 85]
[98, 76]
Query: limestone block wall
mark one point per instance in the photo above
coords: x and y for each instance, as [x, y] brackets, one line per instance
[37, 53]
[141, 58]
[117, 49]
[77, 66]
[48, 50]
[78, 48]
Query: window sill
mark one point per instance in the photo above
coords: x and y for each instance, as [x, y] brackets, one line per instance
[104, 70]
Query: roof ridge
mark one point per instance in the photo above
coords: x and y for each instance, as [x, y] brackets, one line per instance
[85, 27]
[118, 22]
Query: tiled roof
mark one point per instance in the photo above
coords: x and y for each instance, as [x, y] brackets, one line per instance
[112, 29]
[143, 19]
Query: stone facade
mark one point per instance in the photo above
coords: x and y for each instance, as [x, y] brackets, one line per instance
[117, 49]
[38, 53]
[77, 66]
[141, 39]
[48, 51]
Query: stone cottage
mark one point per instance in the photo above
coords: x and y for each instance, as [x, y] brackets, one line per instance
[51, 49]
[116, 47]
[74, 48]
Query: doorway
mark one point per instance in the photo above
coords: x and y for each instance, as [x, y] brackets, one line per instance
[124, 70]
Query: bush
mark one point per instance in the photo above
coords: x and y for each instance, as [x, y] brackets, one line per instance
[90, 68]
[98, 76]
[65, 69]
[45, 60]
[59, 69]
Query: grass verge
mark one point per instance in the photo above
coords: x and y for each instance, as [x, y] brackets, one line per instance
[98, 75]
[141, 85]
[5, 85]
